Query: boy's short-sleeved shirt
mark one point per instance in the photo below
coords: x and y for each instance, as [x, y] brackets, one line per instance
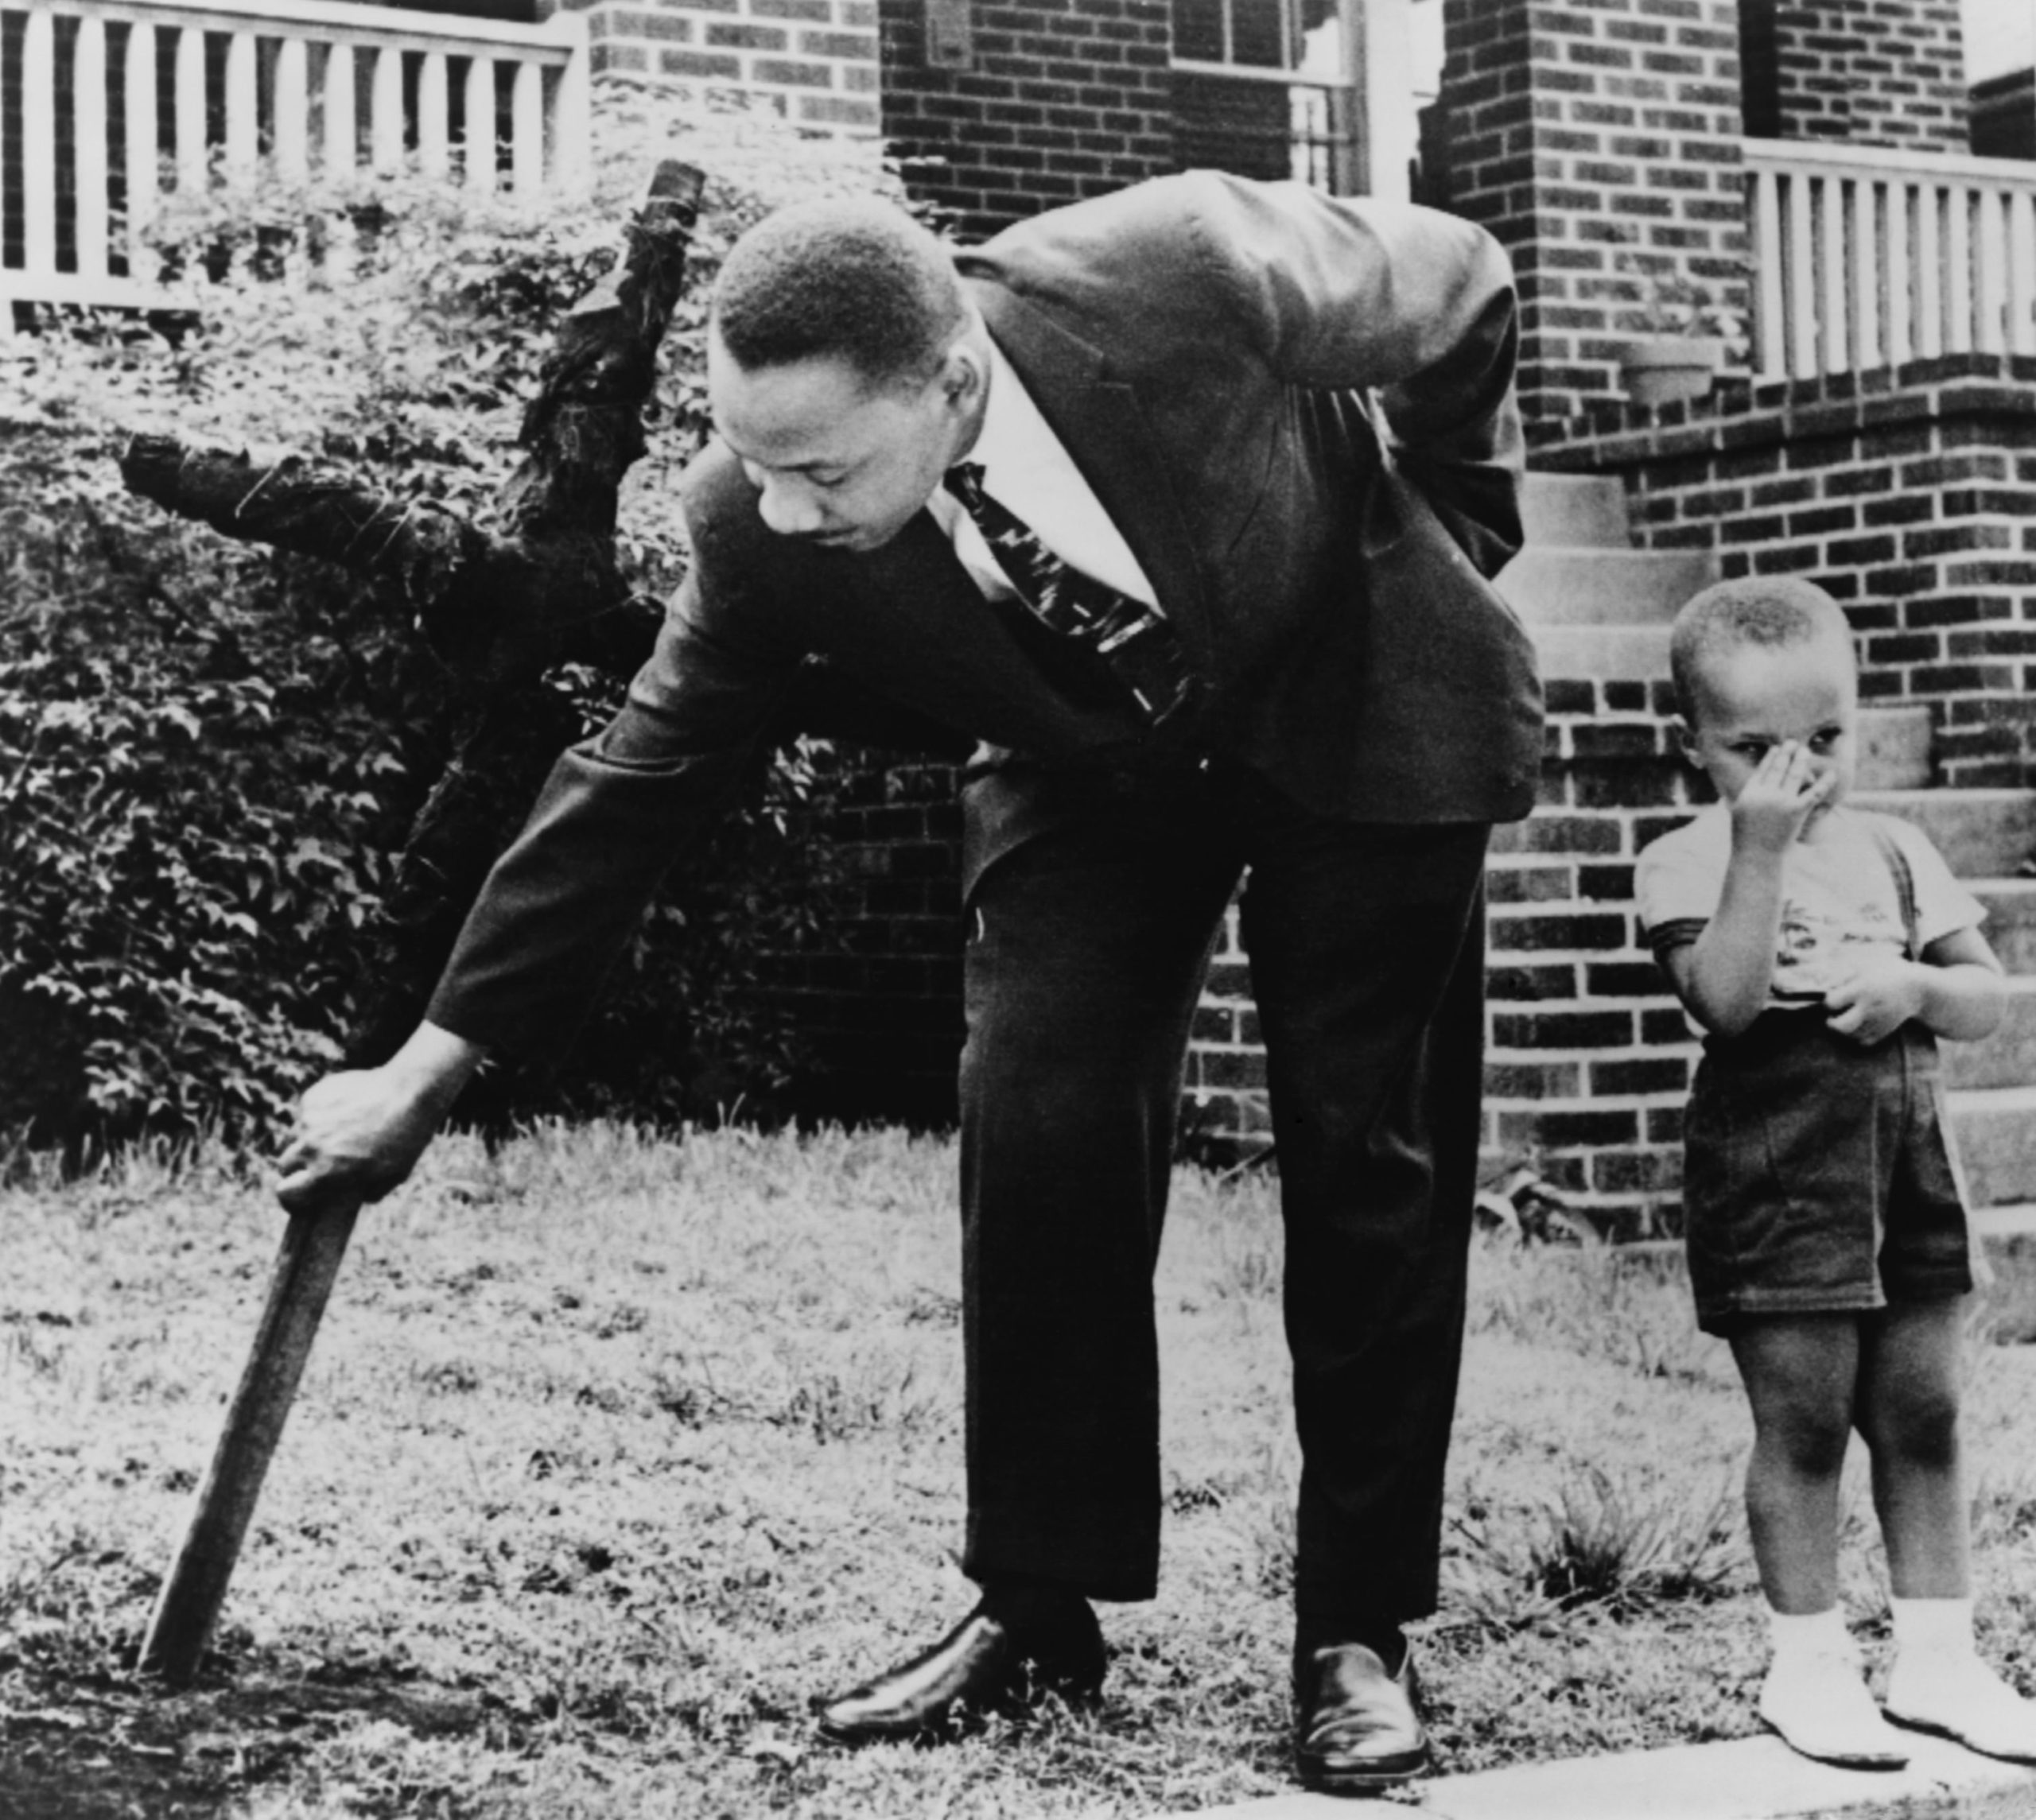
[1837, 892]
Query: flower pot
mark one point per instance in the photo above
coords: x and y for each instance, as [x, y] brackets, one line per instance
[1661, 370]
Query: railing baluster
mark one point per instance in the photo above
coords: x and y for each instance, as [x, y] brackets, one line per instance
[1864, 274]
[1929, 272]
[144, 162]
[192, 170]
[1770, 321]
[1899, 288]
[1958, 269]
[573, 121]
[433, 150]
[1802, 278]
[1990, 272]
[242, 109]
[477, 144]
[90, 138]
[385, 130]
[2021, 326]
[526, 128]
[38, 135]
[293, 106]
[1835, 353]
[342, 132]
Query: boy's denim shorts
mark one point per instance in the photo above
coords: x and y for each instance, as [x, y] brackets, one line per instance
[1817, 1177]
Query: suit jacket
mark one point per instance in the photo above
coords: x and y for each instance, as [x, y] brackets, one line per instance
[1297, 410]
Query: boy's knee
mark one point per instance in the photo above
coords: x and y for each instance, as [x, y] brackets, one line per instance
[1918, 1424]
[1809, 1439]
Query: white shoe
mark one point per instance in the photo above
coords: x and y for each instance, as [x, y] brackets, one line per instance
[1821, 1707]
[1961, 1698]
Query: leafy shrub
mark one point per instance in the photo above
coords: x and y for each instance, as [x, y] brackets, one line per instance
[209, 754]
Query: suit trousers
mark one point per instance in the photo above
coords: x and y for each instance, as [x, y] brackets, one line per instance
[1087, 943]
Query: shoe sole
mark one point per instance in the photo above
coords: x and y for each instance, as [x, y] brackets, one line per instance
[1841, 1761]
[1934, 1730]
[1322, 1781]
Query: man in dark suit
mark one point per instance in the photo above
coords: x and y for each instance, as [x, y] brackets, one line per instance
[1184, 502]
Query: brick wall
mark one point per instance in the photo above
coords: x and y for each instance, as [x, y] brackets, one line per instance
[1600, 144]
[1909, 493]
[814, 61]
[1872, 74]
[883, 1019]
[1044, 101]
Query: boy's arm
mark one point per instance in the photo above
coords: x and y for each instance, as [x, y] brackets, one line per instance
[1723, 977]
[1955, 991]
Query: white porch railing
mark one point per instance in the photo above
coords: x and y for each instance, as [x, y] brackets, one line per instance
[1867, 258]
[106, 105]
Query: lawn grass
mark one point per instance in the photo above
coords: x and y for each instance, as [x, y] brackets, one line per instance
[615, 1451]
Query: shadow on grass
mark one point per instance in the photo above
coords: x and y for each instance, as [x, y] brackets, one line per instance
[84, 1737]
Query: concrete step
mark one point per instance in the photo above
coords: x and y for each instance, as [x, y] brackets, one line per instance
[1601, 653]
[1587, 510]
[1894, 749]
[1996, 1130]
[1571, 586]
[2011, 924]
[1982, 834]
[1740, 1778]
[2011, 1220]
[2007, 1058]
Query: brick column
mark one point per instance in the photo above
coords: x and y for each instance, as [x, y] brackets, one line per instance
[1035, 103]
[1600, 144]
[1879, 74]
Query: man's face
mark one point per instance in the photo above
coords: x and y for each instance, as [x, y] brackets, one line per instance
[1753, 699]
[840, 462]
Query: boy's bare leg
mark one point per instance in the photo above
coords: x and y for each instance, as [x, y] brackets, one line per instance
[1908, 1412]
[1801, 1374]
[1908, 1395]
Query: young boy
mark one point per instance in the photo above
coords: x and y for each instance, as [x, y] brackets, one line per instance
[1825, 950]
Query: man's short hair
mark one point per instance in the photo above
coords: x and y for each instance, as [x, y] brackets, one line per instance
[854, 278]
[1772, 610]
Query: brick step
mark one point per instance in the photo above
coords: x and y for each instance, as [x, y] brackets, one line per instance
[1601, 653]
[1584, 510]
[1982, 834]
[1894, 749]
[1996, 1129]
[1616, 587]
[2007, 1058]
[2010, 924]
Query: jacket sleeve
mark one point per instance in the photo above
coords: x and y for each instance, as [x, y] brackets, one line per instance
[1416, 306]
[615, 814]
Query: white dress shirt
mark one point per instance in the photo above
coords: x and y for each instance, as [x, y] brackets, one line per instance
[1027, 470]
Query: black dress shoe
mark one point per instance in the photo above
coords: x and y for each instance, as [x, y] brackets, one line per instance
[982, 1666]
[1356, 1727]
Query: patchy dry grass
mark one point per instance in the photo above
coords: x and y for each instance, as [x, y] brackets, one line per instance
[614, 1452]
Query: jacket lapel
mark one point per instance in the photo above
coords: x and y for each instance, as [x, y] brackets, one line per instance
[1099, 420]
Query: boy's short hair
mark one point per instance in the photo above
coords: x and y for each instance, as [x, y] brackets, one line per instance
[1773, 611]
[854, 278]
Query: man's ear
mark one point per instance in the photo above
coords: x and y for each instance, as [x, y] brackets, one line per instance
[964, 378]
[1685, 740]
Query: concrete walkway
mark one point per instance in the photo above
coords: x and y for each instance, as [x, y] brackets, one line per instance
[1748, 1778]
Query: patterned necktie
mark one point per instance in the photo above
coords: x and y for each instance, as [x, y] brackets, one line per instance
[1132, 638]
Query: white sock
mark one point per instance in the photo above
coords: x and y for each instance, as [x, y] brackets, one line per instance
[1933, 1630]
[1796, 1636]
